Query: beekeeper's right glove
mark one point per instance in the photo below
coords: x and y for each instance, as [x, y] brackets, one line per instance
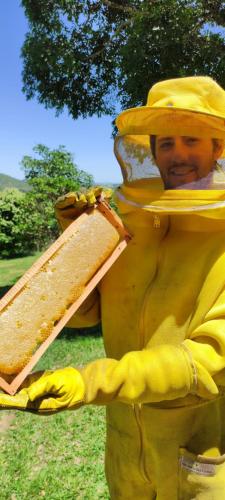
[47, 392]
[69, 206]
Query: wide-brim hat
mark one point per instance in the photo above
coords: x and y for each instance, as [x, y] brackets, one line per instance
[191, 106]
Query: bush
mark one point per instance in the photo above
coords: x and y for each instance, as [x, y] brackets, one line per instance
[17, 225]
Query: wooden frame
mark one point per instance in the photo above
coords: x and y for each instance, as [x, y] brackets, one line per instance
[11, 387]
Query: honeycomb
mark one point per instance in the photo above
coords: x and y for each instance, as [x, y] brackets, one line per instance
[31, 316]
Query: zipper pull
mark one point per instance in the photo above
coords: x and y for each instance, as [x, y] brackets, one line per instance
[156, 221]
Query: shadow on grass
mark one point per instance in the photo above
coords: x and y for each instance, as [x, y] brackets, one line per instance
[68, 333]
[3, 290]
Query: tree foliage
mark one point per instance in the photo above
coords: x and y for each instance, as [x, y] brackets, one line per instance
[95, 56]
[18, 224]
[51, 173]
[27, 220]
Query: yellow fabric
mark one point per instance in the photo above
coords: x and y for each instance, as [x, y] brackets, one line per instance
[148, 194]
[191, 106]
[163, 372]
[173, 302]
[88, 314]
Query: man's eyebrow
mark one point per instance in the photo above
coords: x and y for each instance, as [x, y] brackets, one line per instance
[164, 139]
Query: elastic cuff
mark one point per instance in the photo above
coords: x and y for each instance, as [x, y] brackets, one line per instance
[194, 387]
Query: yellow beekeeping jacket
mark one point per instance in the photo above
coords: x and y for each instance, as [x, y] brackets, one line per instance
[163, 318]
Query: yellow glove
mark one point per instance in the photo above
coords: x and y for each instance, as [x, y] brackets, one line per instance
[18, 402]
[48, 392]
[21, 400]
[71, 205]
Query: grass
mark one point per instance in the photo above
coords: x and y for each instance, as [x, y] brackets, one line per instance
[59, 456]
[12, 269]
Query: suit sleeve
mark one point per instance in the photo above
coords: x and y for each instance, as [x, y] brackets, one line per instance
[165, 372]
[206, 344]
[89, 313]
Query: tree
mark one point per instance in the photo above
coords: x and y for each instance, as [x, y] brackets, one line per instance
[18, 224]
[95, 56]
[27, 220]
[53, 173]
[50, 174]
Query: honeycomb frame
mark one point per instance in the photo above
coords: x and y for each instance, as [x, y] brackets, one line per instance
[10, 384]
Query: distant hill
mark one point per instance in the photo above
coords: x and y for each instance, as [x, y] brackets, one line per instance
[107, 184]
[6, 181]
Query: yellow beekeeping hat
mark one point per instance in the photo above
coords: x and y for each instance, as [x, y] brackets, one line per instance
[192, 106]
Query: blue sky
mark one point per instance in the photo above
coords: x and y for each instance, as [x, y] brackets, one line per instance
[24, 124]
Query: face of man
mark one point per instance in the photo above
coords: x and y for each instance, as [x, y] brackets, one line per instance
[182, 160]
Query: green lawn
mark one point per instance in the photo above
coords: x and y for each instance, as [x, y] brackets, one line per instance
[60, 456]
[12, 269]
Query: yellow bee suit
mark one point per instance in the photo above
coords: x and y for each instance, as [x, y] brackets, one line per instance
[163, 303]
[162, 308]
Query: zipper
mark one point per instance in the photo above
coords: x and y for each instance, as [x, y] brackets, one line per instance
[137, 413]
[138, 407]
[146, 295]
[144, 306]
[156, 221]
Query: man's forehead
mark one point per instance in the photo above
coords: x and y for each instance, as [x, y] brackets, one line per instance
[159, 137]
[162, 138]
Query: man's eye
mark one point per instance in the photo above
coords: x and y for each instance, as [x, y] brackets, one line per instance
[165, 145]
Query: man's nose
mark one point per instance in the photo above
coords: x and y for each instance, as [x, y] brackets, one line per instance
[180, 153]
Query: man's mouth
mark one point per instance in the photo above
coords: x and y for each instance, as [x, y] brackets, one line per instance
[182, 170]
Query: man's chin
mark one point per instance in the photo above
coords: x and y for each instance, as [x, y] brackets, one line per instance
[176, 181]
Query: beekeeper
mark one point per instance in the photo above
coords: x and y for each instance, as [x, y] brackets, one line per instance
[162, 304]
